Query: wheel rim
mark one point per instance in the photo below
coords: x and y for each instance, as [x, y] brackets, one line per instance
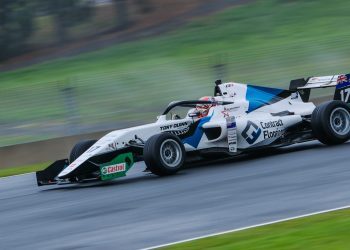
[340, 121]
[170, 152]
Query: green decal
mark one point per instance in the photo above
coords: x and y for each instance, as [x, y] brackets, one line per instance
[117, 167]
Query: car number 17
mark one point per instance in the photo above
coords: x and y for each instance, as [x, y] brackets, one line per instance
[345, 94]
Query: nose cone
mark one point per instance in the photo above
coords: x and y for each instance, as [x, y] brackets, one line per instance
[96, 149]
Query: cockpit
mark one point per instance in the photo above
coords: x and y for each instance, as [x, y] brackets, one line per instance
[198, 108]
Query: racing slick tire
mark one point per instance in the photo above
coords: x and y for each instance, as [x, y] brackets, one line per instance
[164, 154]
[80, 148]
[330, 122]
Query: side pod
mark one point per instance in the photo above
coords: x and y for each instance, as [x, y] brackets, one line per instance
[49, 174]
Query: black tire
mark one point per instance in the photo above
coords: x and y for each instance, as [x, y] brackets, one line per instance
[80, 148]
[330, 122]
[159, 151]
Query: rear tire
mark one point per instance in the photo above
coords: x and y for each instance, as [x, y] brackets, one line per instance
[330, 122]
[80, 148]
[164, 154]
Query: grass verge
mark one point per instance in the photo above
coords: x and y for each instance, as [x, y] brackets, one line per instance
[321, 232]
[23, 169]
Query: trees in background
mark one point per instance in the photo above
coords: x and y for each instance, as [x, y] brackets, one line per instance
[122, 15]
[16, 26]
[66, 13]
[122, 11]
[17, 19]
[145, 6]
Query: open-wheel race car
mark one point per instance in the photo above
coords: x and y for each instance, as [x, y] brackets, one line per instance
[238, 118]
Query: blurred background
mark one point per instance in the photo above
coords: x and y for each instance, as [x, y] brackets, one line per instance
[79, 66]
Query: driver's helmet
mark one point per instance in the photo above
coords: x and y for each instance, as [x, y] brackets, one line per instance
[203, 109]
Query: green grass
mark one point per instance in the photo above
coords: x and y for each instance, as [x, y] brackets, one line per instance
[319, 232]
[267, 42]
[22, 169]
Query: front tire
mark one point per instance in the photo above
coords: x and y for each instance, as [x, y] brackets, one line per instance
[330, 122]
[80, 148]
[164, 154]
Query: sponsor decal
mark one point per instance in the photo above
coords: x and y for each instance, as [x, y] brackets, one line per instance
[272, 129]
[251, 132]
[231, 124]
[112, 169]
[271, 124]
[225, 113]
[341, 79]
[172, 126]
[273, 134]
[180, 132]
[118, 167]
[166, 127]
[229, 85]
[231, 134]
[342, 91]
[230, 109]
[112, 146]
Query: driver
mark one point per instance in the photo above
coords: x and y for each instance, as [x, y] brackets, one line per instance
[203, 109]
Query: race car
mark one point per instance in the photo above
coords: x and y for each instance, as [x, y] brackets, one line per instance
[238, 118]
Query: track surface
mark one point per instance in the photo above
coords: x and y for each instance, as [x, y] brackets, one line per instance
[142, 210]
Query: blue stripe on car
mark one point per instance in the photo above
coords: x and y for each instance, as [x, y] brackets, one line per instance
[260, 96]
[194, 139]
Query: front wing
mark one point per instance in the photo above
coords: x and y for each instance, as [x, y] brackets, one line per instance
[48, 175]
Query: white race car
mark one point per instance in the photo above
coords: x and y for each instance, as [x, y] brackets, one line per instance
[238, 118]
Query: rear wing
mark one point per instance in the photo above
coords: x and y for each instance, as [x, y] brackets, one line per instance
[340, 82]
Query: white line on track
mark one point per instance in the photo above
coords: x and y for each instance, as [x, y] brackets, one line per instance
[248, 227]
[4, 177]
